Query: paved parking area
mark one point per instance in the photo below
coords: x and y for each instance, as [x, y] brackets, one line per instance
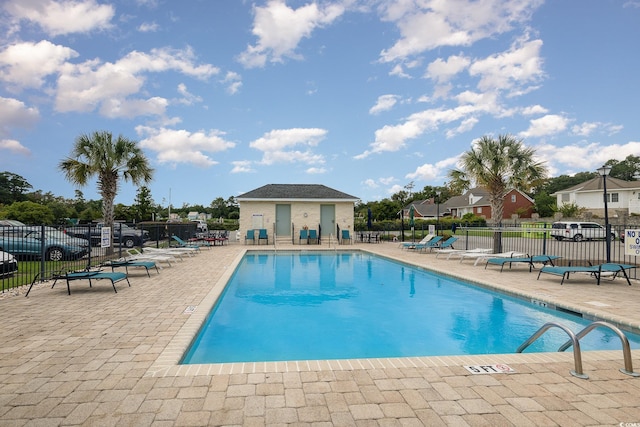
[100, 358]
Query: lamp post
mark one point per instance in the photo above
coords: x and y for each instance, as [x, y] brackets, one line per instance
[604, 171]
[437, 213]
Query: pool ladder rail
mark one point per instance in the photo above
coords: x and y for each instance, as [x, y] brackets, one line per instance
[574, 340]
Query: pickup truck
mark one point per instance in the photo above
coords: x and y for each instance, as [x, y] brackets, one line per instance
[122, 234]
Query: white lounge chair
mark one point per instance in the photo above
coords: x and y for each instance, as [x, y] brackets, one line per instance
[449, 252]
[484, 256]
[412, 245]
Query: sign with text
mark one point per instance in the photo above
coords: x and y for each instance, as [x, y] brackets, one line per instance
[632, 242]
[105, 237]
[499, 368]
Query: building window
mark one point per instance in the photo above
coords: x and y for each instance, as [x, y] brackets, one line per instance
[612, 197]
[565, 197]
[513, 198]
[479, 210]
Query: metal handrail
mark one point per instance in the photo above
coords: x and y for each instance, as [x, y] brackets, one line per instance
[577, 357]
[626, 350]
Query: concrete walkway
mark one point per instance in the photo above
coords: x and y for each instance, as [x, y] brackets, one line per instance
[98, 358]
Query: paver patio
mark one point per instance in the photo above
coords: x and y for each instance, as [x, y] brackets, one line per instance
[100, 358]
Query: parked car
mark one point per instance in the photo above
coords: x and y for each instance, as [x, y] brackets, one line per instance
[31, 241]
[8, 264]
[579, 231]
[201, 226]
[122, 234]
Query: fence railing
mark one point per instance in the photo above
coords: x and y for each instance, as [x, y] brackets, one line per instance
[41, 251]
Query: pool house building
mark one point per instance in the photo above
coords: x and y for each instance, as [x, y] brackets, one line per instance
[285, 209]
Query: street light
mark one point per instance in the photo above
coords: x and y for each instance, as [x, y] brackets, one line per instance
[604, 171]
[437, 213]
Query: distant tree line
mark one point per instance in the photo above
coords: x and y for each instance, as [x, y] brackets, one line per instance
[19, 201]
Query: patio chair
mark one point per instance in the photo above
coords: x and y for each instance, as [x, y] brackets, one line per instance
[531, 260]
[484, 256]
[251, 235]
[183, 244]
[411, 245]
[313, 236]
[262, 235]
[442, 244]
[452, 253]
[136, 255]
[304, 235]
[126, 263]
[430, 243]
[345, 237]
[69, 276]
[597, 271]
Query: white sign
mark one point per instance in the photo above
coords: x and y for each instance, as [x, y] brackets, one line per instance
[105, 237]
[500, 368]
[632, 242]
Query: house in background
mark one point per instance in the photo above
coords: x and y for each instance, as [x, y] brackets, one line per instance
[285, 209]
[426, 209]
[476, 201]
[623, 197]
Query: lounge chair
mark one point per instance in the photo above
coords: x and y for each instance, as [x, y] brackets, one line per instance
[345, 237]
[171, 251]
[251, 235]
[433, 243]
[596, 271]
[451, 253]
[304, 235]
[531, 260]
[262, 235]
[411, 245]
[484, 256]
[313, 236]
[136, 255]
[442, 244]
[126, 263]
[192, 244]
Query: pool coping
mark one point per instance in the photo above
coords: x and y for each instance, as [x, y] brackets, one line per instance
[168, 362]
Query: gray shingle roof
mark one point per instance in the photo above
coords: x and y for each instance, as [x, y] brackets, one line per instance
[295, 191]
[596, 184]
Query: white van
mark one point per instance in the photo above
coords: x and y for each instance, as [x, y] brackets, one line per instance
[579, 231]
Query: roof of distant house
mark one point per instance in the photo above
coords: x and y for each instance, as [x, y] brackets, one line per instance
[597, 184]
[296, 191]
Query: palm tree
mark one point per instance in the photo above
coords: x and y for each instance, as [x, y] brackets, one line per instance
[99, 155]
[498, 165]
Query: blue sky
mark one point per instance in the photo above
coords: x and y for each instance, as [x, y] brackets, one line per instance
[364, 96]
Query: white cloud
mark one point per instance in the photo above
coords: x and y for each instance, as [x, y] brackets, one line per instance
[394, 137]
[588, 128]
[280, 29]
[384, 103]
[430, 24]
[534, 109]
[591, 155]
[430, 172]
[181, 146]
[442, 71]
[13, 146]
[85, 86]
[15, 114]
[370, 183]
[278, 146]
[233, 81]
[148, 27]
[547, 125]
[242, 166]
[63, 16]
[27, 64]
[316, 171]
[511, 71]
[187, 97]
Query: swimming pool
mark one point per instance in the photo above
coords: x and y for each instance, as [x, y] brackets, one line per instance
[347, 305]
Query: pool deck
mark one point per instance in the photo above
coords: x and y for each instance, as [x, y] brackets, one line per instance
[100, 358]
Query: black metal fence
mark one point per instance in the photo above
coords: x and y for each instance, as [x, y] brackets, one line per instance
[39, 252]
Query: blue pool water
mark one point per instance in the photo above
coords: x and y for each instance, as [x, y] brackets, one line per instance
[328, 305]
